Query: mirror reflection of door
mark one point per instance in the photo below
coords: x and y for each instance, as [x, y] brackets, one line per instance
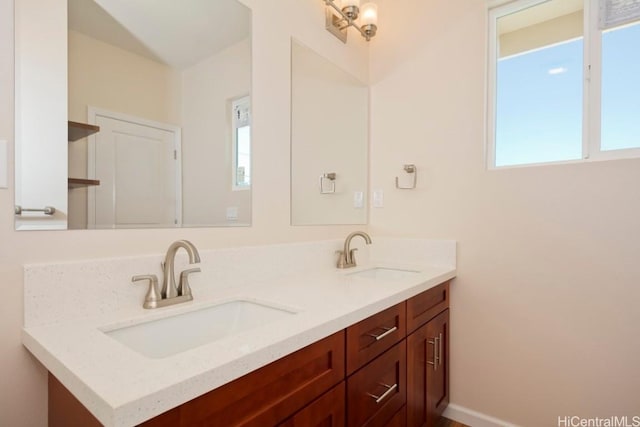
[176, 65]
[139, 169]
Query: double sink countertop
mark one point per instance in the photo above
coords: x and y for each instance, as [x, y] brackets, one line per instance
[120, 386]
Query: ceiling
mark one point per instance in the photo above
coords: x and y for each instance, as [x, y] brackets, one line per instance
[539, 13]
[176, 33]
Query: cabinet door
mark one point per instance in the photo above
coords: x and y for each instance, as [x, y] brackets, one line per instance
[327, 411]
[428, 372]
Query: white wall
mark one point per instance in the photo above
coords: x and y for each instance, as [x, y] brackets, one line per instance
[105, 76]
[23, 385]
[329, 134]
[208, 89]
[545, 307]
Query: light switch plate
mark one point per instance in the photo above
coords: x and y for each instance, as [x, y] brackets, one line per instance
[378, 198]
[358, 199]
[232, 213]
[4, 164]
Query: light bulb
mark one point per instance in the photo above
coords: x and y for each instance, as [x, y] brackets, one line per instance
[369, 14]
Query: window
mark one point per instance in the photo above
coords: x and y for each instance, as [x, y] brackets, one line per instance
[564, 82]
[241, 143]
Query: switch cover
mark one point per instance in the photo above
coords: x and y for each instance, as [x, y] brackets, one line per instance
[358, 199]
[232, 213]
[378, 198]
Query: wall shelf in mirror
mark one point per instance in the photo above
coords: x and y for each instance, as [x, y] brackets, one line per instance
[81, 130]
[78, 131]
[81, 182]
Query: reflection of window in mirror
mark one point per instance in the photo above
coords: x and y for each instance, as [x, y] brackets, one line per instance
[241, 143]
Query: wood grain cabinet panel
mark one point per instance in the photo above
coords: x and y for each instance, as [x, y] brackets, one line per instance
[326, 411]
[399, 419]
[427, 305]
[428, 372]
[374, 335]
[376, 392]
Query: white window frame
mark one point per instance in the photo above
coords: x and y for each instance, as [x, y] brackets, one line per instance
[234, 142]
[592, 84]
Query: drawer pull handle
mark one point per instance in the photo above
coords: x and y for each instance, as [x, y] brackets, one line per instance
[387, 331]
[390, 389]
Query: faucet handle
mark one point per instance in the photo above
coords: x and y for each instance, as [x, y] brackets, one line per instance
[183, 287]
[352, 259]
[153, 295]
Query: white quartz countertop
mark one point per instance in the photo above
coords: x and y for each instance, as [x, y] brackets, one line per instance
[122, 387]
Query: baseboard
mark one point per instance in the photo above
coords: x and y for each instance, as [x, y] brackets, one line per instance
[473, 418]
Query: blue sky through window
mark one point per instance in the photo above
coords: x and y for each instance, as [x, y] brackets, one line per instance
[539, 100]
[539, 105]
[621, 88]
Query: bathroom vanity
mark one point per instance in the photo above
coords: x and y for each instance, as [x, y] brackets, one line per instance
[389, 369]
[365, 346]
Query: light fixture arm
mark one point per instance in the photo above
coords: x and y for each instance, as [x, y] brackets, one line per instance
[367, 33]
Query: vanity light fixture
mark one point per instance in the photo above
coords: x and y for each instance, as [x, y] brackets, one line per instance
[342, 14]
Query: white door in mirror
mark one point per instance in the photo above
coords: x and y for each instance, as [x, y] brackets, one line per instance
[3, 164]
[138, 167]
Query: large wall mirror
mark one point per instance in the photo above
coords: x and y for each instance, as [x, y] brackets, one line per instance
[133, 114]
[329, 141]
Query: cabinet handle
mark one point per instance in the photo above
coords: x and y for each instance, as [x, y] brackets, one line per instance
[387, 331]
[436, 359]
[390, 389]
[440, 350]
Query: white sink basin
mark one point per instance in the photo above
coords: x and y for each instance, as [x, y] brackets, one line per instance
[381, 273]
[171, 335]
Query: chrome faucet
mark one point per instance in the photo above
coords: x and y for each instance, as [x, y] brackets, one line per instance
[346, 258]
[170, 294]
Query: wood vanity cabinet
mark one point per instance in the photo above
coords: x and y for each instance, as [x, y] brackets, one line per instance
[389, 370]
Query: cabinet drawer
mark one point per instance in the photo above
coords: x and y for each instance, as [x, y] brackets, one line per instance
[427, 305]
[376, 392]
[326, 411]
[399, 419]
[271, 394]
[374, 335]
